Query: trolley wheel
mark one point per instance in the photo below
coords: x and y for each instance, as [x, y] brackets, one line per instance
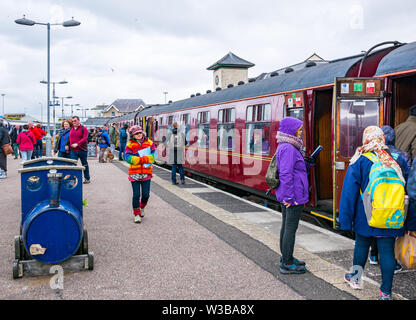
[16, 269]
[84, 243]
[91, 261]
[18, 248]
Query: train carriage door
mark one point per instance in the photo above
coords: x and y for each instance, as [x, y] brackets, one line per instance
[358, 103]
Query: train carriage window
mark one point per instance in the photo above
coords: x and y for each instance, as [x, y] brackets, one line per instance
[203, 119]
[170, 120]
[185, 126]
[355, 116]
[226, 118]
[258, 129]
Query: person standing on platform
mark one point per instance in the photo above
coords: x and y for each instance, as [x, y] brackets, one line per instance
[78, 143]
[61, 147]
[39, 134]
[140, 154]
[406, 134]
[352, 214]
[113, 137]
[123, 141]
[4, 139]
[26, 141]
[175, 142]
[293, 191]
[103, 141]
[13, 137]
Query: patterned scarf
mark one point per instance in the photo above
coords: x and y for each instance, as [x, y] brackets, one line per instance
[287, 138]
[373, 140]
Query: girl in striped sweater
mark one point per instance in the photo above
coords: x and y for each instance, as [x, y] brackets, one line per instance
[140, 153]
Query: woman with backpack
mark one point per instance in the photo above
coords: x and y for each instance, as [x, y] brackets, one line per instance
[293, 191]
[354, 200]
[26, 140]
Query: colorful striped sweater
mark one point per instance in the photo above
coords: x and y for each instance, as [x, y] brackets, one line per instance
[137, 163]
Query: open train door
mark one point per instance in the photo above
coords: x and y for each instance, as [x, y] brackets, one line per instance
[358, 103]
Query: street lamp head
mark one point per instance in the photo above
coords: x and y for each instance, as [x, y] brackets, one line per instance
[24, 21]
[69, 97]
[63, 82]
[71, 23]
[44, 82]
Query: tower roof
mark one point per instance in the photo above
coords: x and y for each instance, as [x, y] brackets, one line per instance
[230, 60]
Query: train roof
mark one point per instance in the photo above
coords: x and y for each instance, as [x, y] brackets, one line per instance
[400, 59]
[321, 74]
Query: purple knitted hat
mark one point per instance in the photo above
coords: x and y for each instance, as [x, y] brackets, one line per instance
[290, 125]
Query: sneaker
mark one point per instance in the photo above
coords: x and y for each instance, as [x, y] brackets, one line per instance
[353, 281]
[174, 183]
[295, 261]
[142, 212]
[137, 219]
[183, 181]
[385, 296]
[373, 259]
[397, 268]
[292, 269]
[86, 181]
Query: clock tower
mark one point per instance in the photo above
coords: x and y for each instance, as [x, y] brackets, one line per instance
[229, 70]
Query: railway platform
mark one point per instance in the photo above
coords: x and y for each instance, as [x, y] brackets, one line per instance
[195, 243]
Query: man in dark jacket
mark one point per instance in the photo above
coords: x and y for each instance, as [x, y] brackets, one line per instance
[4, 139]
[390, 138]
[123, 141]
[406, 134]
[13, 137]
[175, 142]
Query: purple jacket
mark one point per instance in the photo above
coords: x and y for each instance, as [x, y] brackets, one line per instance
[291, 166]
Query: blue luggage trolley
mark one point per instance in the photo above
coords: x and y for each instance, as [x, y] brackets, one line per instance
[49, 161]
[51, 229]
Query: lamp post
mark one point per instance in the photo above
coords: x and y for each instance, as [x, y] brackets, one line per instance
[82, 112]
[53, 94]
[69, 23]
[72, 108]
[3, 94]
[62, 104]
[41, 113]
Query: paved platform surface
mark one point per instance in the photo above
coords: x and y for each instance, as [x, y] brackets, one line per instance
[196, 242]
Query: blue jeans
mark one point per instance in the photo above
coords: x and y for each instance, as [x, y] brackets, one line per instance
[63, 155]
[140, 200]
[181, 173]
[75, 155]
[38, 148]
[122, 149]
[26, 155]
[290, 223]
[387, 260]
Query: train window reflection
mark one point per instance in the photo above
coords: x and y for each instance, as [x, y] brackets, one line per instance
[226, 118]
[225, 136]
[257, 138]
[203, 135]
[355, 116]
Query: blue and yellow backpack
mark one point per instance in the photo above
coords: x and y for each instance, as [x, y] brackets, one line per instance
[384, 196]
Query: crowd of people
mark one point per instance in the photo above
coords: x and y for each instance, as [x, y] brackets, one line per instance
[384, 148]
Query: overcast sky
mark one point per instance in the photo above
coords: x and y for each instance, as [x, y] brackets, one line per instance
[140, 49]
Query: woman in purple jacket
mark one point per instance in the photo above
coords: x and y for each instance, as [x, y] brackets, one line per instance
[293, 191]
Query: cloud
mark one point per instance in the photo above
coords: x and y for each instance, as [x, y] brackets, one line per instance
[139, 49]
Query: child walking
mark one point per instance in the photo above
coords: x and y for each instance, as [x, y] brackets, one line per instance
[140, 153]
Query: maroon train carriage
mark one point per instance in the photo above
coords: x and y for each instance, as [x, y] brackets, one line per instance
[231, 133]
